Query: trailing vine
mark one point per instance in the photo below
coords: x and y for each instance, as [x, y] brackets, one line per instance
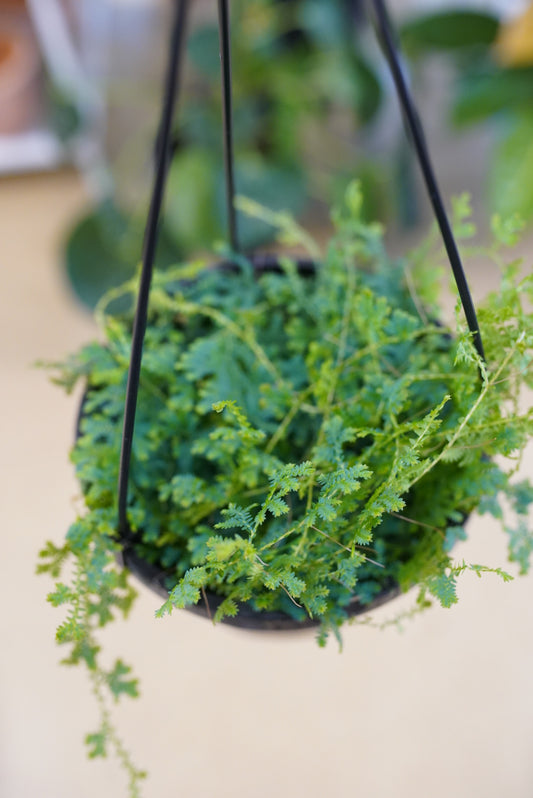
[300, 439]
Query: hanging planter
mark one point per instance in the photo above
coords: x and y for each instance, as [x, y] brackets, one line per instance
[300, 451]
[301, 441]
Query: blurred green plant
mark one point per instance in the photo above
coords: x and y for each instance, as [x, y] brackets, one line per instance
[102, 249]
[493, 83]
[302, 88]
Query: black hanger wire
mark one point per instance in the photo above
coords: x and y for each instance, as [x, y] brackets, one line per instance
[389, 44]
[164, 149]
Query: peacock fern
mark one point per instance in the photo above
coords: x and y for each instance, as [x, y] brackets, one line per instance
[299, 439]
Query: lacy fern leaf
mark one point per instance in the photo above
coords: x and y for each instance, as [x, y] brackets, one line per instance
[305, 440]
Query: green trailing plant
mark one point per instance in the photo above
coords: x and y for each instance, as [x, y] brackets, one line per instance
[299, 438]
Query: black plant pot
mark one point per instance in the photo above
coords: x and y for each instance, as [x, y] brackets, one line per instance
[247, 617]
[158, 579]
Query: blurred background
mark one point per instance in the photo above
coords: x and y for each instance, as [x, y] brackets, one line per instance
[447, 707]
[313, 108]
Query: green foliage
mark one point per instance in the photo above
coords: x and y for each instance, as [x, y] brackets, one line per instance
[510, 171]
[96, 744]
[98, 591]
[484, 89]
[295, 64]
[511, 174]
[300, 76]
[120, 685]
[102, 250]
[449, 31]
[299, 439]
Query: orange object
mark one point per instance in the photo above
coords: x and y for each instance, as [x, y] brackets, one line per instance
[20, 75]
[514, 47]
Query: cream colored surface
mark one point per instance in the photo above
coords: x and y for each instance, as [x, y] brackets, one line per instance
[444, 709]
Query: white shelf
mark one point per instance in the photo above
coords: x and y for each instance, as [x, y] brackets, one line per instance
[33, 150]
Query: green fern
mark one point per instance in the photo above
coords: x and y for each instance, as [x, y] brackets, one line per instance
[299, 440]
